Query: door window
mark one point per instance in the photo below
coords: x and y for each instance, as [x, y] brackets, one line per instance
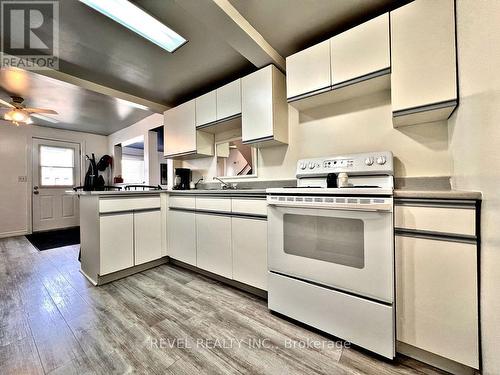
[57, 166]
[329, 239]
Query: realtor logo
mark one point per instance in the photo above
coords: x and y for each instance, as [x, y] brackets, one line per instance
[30, 34]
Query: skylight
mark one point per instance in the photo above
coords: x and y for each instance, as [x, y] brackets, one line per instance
[137, 20]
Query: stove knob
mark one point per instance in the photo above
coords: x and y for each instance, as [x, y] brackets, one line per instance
[381, 160]
[369, 161]
[303, 165]
[312, 165]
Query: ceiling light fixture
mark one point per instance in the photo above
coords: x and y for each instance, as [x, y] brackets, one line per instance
[140, 22]
[17, 116]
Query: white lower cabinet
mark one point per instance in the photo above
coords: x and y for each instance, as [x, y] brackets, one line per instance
[213, 236]
[147, 236]
[181, 236]
[116, 242]
[437, 297]
[249, 242]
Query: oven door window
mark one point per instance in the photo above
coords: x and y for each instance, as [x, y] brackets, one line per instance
[329, 239]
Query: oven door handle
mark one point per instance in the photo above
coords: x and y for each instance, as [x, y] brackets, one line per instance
[359, 208]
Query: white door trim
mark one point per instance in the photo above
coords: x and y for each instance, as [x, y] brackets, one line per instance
[29, 170]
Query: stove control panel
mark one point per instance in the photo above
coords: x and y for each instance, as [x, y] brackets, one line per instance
[366, 163]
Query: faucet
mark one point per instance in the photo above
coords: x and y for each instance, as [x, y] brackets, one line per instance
[224, 185]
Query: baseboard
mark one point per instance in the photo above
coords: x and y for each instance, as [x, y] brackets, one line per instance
[14, 233]
[235, 284]
[434, 359]
[129, 271]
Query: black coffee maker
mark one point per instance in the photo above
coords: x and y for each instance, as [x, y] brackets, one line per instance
[182, 178]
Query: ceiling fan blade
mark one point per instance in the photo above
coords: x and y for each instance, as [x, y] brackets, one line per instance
[6, 104]
[45, 118]
[41, 110]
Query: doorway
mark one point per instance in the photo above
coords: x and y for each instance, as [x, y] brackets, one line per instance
[56, 169]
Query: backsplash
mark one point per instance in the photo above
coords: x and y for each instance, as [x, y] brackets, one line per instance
[359, 125]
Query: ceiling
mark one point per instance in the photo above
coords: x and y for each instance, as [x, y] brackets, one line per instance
[292, 25]
[79, 109]
[97, 49]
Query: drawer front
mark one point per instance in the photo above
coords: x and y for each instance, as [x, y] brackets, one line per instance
[128, 204]
[213, 204]
[249, 206]
[461, 221]
[182, 202]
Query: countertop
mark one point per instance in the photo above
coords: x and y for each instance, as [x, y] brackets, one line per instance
[229, 192]
[437, 194]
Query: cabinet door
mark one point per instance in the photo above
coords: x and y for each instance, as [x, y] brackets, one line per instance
[213, 235]
[181, 232]
[249, 238]
[180, 129]
[206, 107]
[147, 236]
[229, 100]
[116, 242]
[361, 50]
[423, 54]
[436, 297]
[257, 105]
[308, 70]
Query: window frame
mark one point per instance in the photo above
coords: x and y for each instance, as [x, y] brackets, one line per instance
[40, 166]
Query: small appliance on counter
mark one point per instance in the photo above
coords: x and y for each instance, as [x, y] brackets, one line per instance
[182, 178]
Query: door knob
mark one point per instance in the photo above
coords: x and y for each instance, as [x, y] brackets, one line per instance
[36, 192]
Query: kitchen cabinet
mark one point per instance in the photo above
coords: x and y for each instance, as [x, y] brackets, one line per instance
[264, 108]
[308, 71]
[352, 64]
[361, 52]
[116, 242]
[213, 246]
[121, 234]
[181, 137]
[229, 100]
[437, 297]
[181, 236]
[224, 235]
[206, 108]
[249, 243]
[424, 67]
[147, 236]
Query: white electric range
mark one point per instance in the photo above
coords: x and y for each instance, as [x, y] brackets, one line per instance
[331, 250]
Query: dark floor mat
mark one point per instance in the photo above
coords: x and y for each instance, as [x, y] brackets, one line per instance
[55, 238]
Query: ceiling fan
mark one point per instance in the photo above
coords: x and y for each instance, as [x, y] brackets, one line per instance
[17, 113]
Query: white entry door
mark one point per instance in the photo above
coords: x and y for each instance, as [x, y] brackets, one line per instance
[56, 169]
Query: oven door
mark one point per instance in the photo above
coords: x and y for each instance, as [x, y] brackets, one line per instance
[347, 250]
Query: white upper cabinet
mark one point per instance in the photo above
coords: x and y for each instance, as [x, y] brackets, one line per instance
[361, 51]
[181, 137]
[423, 79]
[206, 108]
[229, 100]
[180, 130]
[308, 71]
[264, 108]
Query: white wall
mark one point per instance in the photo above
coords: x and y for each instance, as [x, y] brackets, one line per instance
[151, 156]
[359, 125]
[474, 132]
[15, 162]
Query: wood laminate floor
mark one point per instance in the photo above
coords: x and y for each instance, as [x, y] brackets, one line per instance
[162, 321]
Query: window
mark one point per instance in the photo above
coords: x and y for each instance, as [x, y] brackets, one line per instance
[57, 166]
[235, 159]
[132, 169]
